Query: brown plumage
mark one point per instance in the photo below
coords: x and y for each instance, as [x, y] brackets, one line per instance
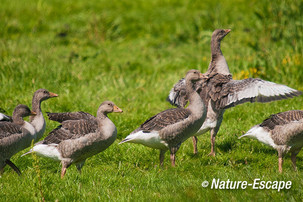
[168, 129]
[164, 119]
[283, 132]
[15, 136]
[79, 138]
[282, 118]
[219, 91]
[60, 117]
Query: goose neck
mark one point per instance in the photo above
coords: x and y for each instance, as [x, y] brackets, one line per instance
[36, 106]
[17, 119]
[215, 48]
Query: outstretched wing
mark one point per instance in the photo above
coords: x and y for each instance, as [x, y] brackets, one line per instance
[163, 119]
[9, 128]
[177, 95]
[282, 119]
[60, 117]
[70, 129]
[210, 87]
[253, 90]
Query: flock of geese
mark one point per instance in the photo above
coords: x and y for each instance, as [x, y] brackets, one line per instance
[81, 135]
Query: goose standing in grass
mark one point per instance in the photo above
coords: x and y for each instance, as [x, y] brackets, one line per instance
[168, 129]
[283, 132]
[38, 121]
[15, 136]
[219, 91]
[78, 137]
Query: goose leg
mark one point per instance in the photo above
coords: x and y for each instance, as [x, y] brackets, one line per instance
[173, 159]
[195, 141]
[13, 166]
[63, 170]
[280, 161]
[294, 159]
[2, 165]
[212, 140]
[162, 152]
[173, 151]
[80, 165]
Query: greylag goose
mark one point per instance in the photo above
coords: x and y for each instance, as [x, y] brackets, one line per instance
[15, 136]
[78, 137]
[38, 121]
[220, 91]
[169, 128]
[283, 132]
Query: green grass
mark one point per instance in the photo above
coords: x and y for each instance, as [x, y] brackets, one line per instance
[132, 52]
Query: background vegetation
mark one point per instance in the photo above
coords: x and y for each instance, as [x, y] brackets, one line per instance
[132, 52]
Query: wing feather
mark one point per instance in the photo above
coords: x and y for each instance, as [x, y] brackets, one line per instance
[8, 128]
[163, 119]
[254, 90]
[71, 129]
[177, 95]
[60, 117]
[282, 119]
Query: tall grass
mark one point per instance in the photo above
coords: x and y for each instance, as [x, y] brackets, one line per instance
[132, 52]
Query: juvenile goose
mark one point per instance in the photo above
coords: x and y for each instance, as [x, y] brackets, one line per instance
[168, 129]
[283, 132]
[220, 91]
[77, 139]
[38, 121]
[15, 136]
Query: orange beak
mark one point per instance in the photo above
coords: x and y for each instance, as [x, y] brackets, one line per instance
[33, 113]
[227, 31]
[53, 94]
[117, 109]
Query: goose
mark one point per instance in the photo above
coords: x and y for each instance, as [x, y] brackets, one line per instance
[283, 132]
[219, 91]
[15, 136]
[38, 121]
[78, 138]
[168, 129]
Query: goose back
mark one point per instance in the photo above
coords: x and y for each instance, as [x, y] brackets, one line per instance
[60, 117]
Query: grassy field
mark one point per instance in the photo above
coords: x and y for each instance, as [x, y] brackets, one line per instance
[132, 52]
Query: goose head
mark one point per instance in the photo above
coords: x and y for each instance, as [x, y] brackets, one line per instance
[219, 34]
[108, 107]
[22, 111]
[193, 75]
[43, 94]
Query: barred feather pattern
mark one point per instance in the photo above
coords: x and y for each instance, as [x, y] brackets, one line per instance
[71, 129]
[164, 118]
[60, 117]
[9, 128]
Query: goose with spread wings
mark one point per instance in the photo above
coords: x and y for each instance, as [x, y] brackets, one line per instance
[168, 129]
[219, 91]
